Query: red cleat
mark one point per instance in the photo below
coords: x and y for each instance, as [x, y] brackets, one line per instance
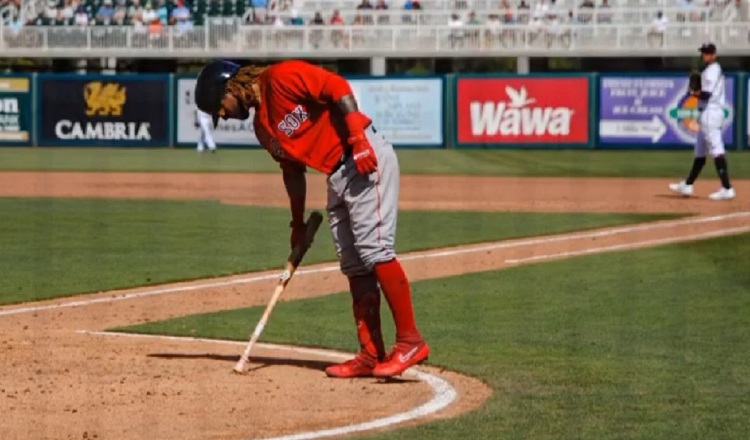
[403, 356]
[361, 366]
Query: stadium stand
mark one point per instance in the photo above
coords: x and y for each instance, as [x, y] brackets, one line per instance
[398, 25]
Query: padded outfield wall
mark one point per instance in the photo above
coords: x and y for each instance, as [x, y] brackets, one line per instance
[578, 110]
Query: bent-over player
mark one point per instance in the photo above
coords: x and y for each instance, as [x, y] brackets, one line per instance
[306, 116]
[711, 103]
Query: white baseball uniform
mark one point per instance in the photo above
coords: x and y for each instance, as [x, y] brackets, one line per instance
[205, 124]
[712, 113]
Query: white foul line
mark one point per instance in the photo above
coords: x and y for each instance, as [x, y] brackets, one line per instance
[443, 392]
[631, 245]
[408, 257]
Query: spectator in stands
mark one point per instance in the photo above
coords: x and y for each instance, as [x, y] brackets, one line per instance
[260, 9]
[412, 5]
[316, 35]
[381, 5]
[155, 30]
[585, 14]
[523, 12]
[538, 16]
[81, 18]
[337, 36]
[134, 9]
[365, 18]
[456, 35]
[138, 27]
[507, 12]
[120, 14]
[655, 35]
[602, 16]
[180, 14]
[296, 20]
[149, 15]
[162, 12]
[105, 13]
[68, 10]
[494, 26]
[50, 11]
[473, 20]
[336, 18]
[318, 20]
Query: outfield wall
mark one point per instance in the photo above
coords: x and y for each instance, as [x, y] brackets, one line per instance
[553, 111]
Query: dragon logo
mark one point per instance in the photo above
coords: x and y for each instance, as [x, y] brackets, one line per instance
[104, 99]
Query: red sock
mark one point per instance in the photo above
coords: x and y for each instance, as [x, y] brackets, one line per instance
[396, 289]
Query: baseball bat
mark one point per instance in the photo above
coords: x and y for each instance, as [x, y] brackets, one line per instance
[292, 263]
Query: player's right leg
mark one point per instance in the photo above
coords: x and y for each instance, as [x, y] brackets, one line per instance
[365, 292]
[685, 187]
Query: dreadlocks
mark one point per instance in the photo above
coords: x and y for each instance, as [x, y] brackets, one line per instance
[240, 84]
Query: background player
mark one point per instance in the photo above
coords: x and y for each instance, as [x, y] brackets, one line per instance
[205, 125]
[711, 103]
[306, 116]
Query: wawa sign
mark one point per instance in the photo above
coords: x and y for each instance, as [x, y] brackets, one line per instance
[523, 110]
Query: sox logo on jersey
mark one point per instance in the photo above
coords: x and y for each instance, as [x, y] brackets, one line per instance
[293, 120]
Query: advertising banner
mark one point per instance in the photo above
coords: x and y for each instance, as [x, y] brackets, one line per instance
[523, 110]
[104, 110]
[408, 112]
[15, 110]
[654, 110]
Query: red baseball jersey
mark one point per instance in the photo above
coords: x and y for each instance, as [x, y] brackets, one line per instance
[296, 120]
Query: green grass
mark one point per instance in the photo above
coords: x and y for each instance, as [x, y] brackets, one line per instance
[573, 163]
[639, 345]
[57, 247]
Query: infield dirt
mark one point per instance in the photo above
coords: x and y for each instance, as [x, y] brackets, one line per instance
[58, 383]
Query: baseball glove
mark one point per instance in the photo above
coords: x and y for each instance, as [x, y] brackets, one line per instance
[694, 82]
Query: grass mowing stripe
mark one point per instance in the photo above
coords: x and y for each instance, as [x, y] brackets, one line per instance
[560, 163]
[633, 345]
[59, 247]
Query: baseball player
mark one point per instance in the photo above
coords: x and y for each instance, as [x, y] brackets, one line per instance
[709, 88]
[207, 136]
[306, 116]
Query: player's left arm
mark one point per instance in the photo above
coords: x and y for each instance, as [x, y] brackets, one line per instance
[332, 88]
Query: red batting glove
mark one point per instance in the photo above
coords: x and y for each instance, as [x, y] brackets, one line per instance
[298, 231]
[363, 154]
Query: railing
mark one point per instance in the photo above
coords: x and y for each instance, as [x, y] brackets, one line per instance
[644, 15]
[226, 38]
[478, 5]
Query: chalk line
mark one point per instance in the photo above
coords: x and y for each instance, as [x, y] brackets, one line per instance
[440, 253]
[443, 393]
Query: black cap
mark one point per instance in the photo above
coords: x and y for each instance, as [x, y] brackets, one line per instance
[707, 48]
[211, 86]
